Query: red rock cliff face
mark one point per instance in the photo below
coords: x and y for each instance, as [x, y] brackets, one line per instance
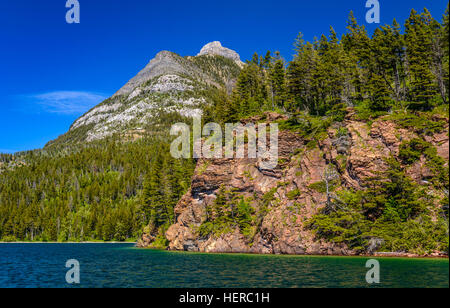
[357, 156]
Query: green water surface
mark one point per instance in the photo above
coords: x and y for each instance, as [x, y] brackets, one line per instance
[122, 265]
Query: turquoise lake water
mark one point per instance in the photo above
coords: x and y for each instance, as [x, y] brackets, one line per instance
[122, 265]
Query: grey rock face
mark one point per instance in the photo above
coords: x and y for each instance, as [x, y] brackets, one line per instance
[163, 63]
[166, 62]
[342, 144]
[216, 48]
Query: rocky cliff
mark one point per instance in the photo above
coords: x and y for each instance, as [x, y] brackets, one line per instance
[285, 198]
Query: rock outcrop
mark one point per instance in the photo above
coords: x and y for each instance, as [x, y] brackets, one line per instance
[358, 155]
[164, 63]
[216, 48]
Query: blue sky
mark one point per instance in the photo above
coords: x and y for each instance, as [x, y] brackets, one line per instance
[52, 72]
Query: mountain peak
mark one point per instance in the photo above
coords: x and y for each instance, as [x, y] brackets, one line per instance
[163, 62]
[216, 48]
[168, 84]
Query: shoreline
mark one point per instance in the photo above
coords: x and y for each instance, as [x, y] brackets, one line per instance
[386, 255]
[379, 255]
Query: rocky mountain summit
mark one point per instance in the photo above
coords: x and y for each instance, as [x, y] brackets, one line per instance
[168, 84]
[216, 48]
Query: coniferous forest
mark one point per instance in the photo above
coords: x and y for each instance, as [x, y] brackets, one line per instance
[107, 191]
[394, 69]
[111, 190]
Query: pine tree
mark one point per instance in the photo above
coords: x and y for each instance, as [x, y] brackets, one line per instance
[267, 60]
[445, 47]
[255, 59]
[250, 93]
[153, 195]
[419, 52]
[300, 77]
[439, 58]
[356, 41]
[331, 72]
[383, 69]
[379, 93]
[397, 59]
[356, 44]
[277, 81]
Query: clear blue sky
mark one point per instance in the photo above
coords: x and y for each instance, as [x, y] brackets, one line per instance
[51, 72]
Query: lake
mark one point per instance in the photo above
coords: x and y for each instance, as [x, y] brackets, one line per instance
[122, 265]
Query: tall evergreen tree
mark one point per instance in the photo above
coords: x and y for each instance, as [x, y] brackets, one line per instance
[445, 47]
[331, 72]
[277, 81]
[301, 77]
[356, 44]
[419, 52]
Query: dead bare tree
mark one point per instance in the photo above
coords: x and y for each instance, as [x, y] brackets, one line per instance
[333, 202]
